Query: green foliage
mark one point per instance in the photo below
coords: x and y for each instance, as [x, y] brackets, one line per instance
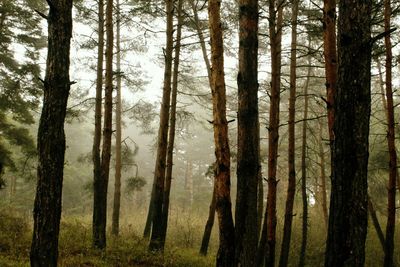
[134, 184]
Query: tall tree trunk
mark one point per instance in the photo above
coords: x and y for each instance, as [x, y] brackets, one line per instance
[172, 122]
[375, 222]
[118, 132]
[159, 172]
[51, 137]
[348, 214]
[101, 186]
[97, 115]
[304, 230]
[209, 225]
[323, 175]
[291, 190]
[268, 237]
[246, 234]
[226, 251]
[330, 56]
[391, 219]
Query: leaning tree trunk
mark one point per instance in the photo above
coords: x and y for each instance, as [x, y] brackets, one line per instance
[159, 172]
[266, 250]
[172, 122]
[391, 219]
[348, 214]
[246, 223]
[51, 137]
[118, 133]
[209, 225]
[291, 190]
[375, 223]
[101, 185]
[226, 251]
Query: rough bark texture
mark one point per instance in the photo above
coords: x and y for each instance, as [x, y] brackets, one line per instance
[172, 123]
[209, 225]
[391, 219]
[304, 198]
[162, 143]
[246, 223]
[348, 216]
[51, 137]
[226, 251]
[98, 110]
[101, 185]
[118, 133]
[330, 56]
[291, 189]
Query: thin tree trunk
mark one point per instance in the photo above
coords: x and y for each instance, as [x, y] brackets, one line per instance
[323, 175]
[246, 234]
[51, 137]
[330, 56]
[304, 230]
[98, 115]
[226, 251]
[159, 172]
[391, 219]
[348, 213]
[118, 133]
[209, 225]
[101, 186]
[275, 33]
[171, 138]
[291, 190]
[376, 223]
[147, 227]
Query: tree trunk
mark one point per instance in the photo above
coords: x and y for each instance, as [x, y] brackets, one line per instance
[118, 133]
[226, 251]
[291, 190]
[304, 230]
[159, 172]
[275, 33]
[246, 234]
[348, 214]
[375, 222]
[391, 219]
[172, 122]
[98, 114]
[51, 137]
[209, 225]
[101, 186]
[330, 56]
[323, 175]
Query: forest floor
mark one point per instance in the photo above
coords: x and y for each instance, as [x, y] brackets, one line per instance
[75, 247]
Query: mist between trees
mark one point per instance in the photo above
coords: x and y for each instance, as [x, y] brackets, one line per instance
[199, 133]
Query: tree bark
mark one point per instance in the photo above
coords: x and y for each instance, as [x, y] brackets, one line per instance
[101, 185]
[118, 132]
[172, 122]
[348, 216]
[226, 251]
[51, 137]
[246, 228]
[98, 111]
[391, 219]
[268, 238]
[209, 225]
[304, 198]
[159, 172]
[323, 175]
[330, 56]
[291, 190]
